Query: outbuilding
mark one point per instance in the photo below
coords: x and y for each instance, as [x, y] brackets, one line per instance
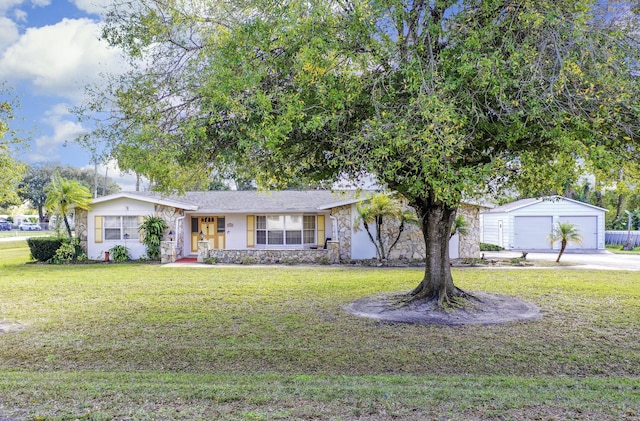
[526, 224]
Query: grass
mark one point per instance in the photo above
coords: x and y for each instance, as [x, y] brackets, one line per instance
[136, 341]
[617, 248]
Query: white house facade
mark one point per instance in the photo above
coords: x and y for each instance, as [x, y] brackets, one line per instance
[305, 226]
[526, 224]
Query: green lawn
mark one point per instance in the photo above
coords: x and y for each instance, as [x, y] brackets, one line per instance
[616, 248]
[135, 341]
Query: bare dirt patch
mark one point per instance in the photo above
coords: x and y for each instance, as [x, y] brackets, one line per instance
[485, 309]
[8, 327]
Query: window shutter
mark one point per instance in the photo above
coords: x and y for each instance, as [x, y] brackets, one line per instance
[98, 229]
[251, 231]
[321, 234]
[140, 233]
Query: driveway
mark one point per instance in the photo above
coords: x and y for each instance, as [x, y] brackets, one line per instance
[596, 260]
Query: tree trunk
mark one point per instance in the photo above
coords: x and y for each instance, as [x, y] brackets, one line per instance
[66, 224]
[619, 204]
[436, 220]
[563, 245]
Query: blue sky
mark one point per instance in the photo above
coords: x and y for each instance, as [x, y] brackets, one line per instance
[49, 51]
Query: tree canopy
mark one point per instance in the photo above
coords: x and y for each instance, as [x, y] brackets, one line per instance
[63, 195]
[10, 169]
[33, 185]
[437, 99]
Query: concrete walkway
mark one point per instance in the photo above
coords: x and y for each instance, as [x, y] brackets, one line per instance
[594, 260]
[602, 260]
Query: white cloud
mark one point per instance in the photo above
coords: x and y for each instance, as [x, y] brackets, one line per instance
[64, 129]
[92, 6]
[60, 59]
[127, 181]
[9, 4]
[20, 15]
[8, 33]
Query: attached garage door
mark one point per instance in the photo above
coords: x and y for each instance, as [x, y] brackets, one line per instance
[588, 229]
[530, 232]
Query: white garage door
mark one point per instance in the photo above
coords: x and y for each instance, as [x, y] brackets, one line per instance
[588, 229]
[530, 232]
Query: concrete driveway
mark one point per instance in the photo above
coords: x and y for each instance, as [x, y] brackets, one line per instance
[584, 260]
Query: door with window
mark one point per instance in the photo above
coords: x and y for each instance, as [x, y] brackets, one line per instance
[211, 228]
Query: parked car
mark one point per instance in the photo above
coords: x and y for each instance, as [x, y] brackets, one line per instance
[5, 226]
[29, 226]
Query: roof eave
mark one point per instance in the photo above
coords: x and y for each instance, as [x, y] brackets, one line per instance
[146, 199]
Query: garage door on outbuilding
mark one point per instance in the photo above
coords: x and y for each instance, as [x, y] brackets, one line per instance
[526, 224]
[587, 227]
[531, 232]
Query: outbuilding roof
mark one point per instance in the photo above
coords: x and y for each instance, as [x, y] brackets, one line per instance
[519, 204]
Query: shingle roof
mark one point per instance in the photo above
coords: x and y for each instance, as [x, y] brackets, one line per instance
[252, 201]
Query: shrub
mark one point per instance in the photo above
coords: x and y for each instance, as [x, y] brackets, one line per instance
[472, 261]
[43, 249]
[324, 260]
[153, 229]
[210, 260]
[490, 247]
[119, 253]
[248, 260]
[66, 253]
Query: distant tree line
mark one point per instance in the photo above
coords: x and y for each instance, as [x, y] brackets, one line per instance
[33, 186]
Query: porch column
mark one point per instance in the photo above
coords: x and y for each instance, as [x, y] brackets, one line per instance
[167, 252]
[203, 251]
[333, 251]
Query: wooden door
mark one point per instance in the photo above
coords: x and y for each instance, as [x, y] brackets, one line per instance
[211, 227]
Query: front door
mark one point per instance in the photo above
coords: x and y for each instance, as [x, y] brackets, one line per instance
[212, 228]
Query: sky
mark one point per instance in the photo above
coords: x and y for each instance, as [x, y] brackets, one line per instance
[50, 51]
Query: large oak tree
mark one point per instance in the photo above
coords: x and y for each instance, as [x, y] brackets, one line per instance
[11, 169]
[439, 99]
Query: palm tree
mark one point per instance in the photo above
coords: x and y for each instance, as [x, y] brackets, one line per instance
[379, 208]
[564, 232]
[460, 226]
[63, 195]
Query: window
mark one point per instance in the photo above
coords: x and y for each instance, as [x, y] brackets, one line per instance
[285, 229]
[309, 233]
[120, 227]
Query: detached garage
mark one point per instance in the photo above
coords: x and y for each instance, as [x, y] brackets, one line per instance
[525, 224]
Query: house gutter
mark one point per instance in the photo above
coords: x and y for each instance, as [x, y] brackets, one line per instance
[178, 219]
[334, 226]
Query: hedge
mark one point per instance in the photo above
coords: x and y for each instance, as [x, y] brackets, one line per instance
[44, 248]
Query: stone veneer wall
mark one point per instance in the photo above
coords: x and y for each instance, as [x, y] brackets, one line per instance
[411, 244]
[262, 256]
[343, 218]
[470, 243]
[170, 215]
[167, 251]
[81, 221]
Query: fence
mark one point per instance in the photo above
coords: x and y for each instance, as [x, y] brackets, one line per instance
[621, 237]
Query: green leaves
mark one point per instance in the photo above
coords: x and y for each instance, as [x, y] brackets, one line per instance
[153, 229]
[11, 169]
[439, 98]
[64, 195]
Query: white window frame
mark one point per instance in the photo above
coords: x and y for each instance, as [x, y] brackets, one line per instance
[117, 222]
[272, 230]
